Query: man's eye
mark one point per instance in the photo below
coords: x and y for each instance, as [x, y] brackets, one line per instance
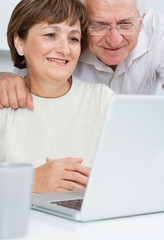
[125, 25]
[50, 35]
[99, 27]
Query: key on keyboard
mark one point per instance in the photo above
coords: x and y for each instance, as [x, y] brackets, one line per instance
[75, 204]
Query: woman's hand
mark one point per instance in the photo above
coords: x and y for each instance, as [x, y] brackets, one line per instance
[66, 174]
[13, 92]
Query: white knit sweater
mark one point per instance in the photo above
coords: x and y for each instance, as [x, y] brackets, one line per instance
[68, 126]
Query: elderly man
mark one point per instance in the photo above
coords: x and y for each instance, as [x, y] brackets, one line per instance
[125, 52]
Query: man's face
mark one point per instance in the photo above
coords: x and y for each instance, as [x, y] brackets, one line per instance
[115, 46]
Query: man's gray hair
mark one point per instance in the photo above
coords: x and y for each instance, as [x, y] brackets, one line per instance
[141, 7]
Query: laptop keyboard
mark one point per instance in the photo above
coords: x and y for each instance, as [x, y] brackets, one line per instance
[75, 204]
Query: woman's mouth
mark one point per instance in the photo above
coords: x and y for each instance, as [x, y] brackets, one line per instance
[60, 61]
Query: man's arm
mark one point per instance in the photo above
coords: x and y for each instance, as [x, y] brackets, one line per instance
[13, 92]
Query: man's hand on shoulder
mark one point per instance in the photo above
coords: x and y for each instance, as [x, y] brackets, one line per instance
[13, 92]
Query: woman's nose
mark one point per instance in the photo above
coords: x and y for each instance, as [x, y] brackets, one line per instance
[63, 47]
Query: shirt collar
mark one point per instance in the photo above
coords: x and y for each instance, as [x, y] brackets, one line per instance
[141, 48]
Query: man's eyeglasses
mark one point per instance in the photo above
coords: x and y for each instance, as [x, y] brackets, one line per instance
[102, 30]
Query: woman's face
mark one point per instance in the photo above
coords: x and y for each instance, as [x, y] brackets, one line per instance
[51, 51]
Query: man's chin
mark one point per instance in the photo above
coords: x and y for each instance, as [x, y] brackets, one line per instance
[112, 63]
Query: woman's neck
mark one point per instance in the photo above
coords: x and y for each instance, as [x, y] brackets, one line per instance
[50, 89]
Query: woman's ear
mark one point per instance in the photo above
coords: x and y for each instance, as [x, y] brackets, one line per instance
[18, 42]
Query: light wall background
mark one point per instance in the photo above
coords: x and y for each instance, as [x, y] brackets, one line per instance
[6, 8]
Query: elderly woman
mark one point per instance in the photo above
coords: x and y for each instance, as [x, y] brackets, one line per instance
[61, 131]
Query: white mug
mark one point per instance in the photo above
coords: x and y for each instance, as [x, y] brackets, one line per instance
[16, 182]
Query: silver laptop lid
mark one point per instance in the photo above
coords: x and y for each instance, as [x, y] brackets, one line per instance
[127, 177]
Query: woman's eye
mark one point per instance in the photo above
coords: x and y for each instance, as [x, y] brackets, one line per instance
[50, 35]
[74, 40]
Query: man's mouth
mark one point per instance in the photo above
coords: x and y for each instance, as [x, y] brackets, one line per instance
[114, 49]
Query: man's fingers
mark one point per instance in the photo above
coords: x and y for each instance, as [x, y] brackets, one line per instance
[12, 98]
[12, 91]
[21, 97]
[6, 75]
[1, 106]
[48, 160]
[4, 96]
[29, 102]
[21, 91]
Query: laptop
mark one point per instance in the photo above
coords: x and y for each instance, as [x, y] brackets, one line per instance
[127, 177]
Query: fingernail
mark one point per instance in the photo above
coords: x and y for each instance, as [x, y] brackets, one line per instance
[48, 159]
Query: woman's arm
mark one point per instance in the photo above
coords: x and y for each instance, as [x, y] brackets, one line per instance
[66, 174]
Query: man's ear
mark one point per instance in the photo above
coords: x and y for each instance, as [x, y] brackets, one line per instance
[140, 22]
[18, 42]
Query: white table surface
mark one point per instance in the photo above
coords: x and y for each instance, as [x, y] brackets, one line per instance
[43, 226]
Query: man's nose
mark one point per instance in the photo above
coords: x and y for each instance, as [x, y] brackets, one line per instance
[113, 37]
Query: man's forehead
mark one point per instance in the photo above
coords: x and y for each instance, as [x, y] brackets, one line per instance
[109, 1]
[119, 1]
[104, 8]
[90, 3]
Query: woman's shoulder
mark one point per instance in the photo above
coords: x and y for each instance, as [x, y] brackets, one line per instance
[93, 94]
[92, 87]
[5, 113]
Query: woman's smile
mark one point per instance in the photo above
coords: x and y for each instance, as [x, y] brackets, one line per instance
[61, 62]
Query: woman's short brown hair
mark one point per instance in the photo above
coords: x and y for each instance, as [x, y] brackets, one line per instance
[30, 12]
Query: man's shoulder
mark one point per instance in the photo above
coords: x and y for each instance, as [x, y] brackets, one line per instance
[20, 72]
[153, 20]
